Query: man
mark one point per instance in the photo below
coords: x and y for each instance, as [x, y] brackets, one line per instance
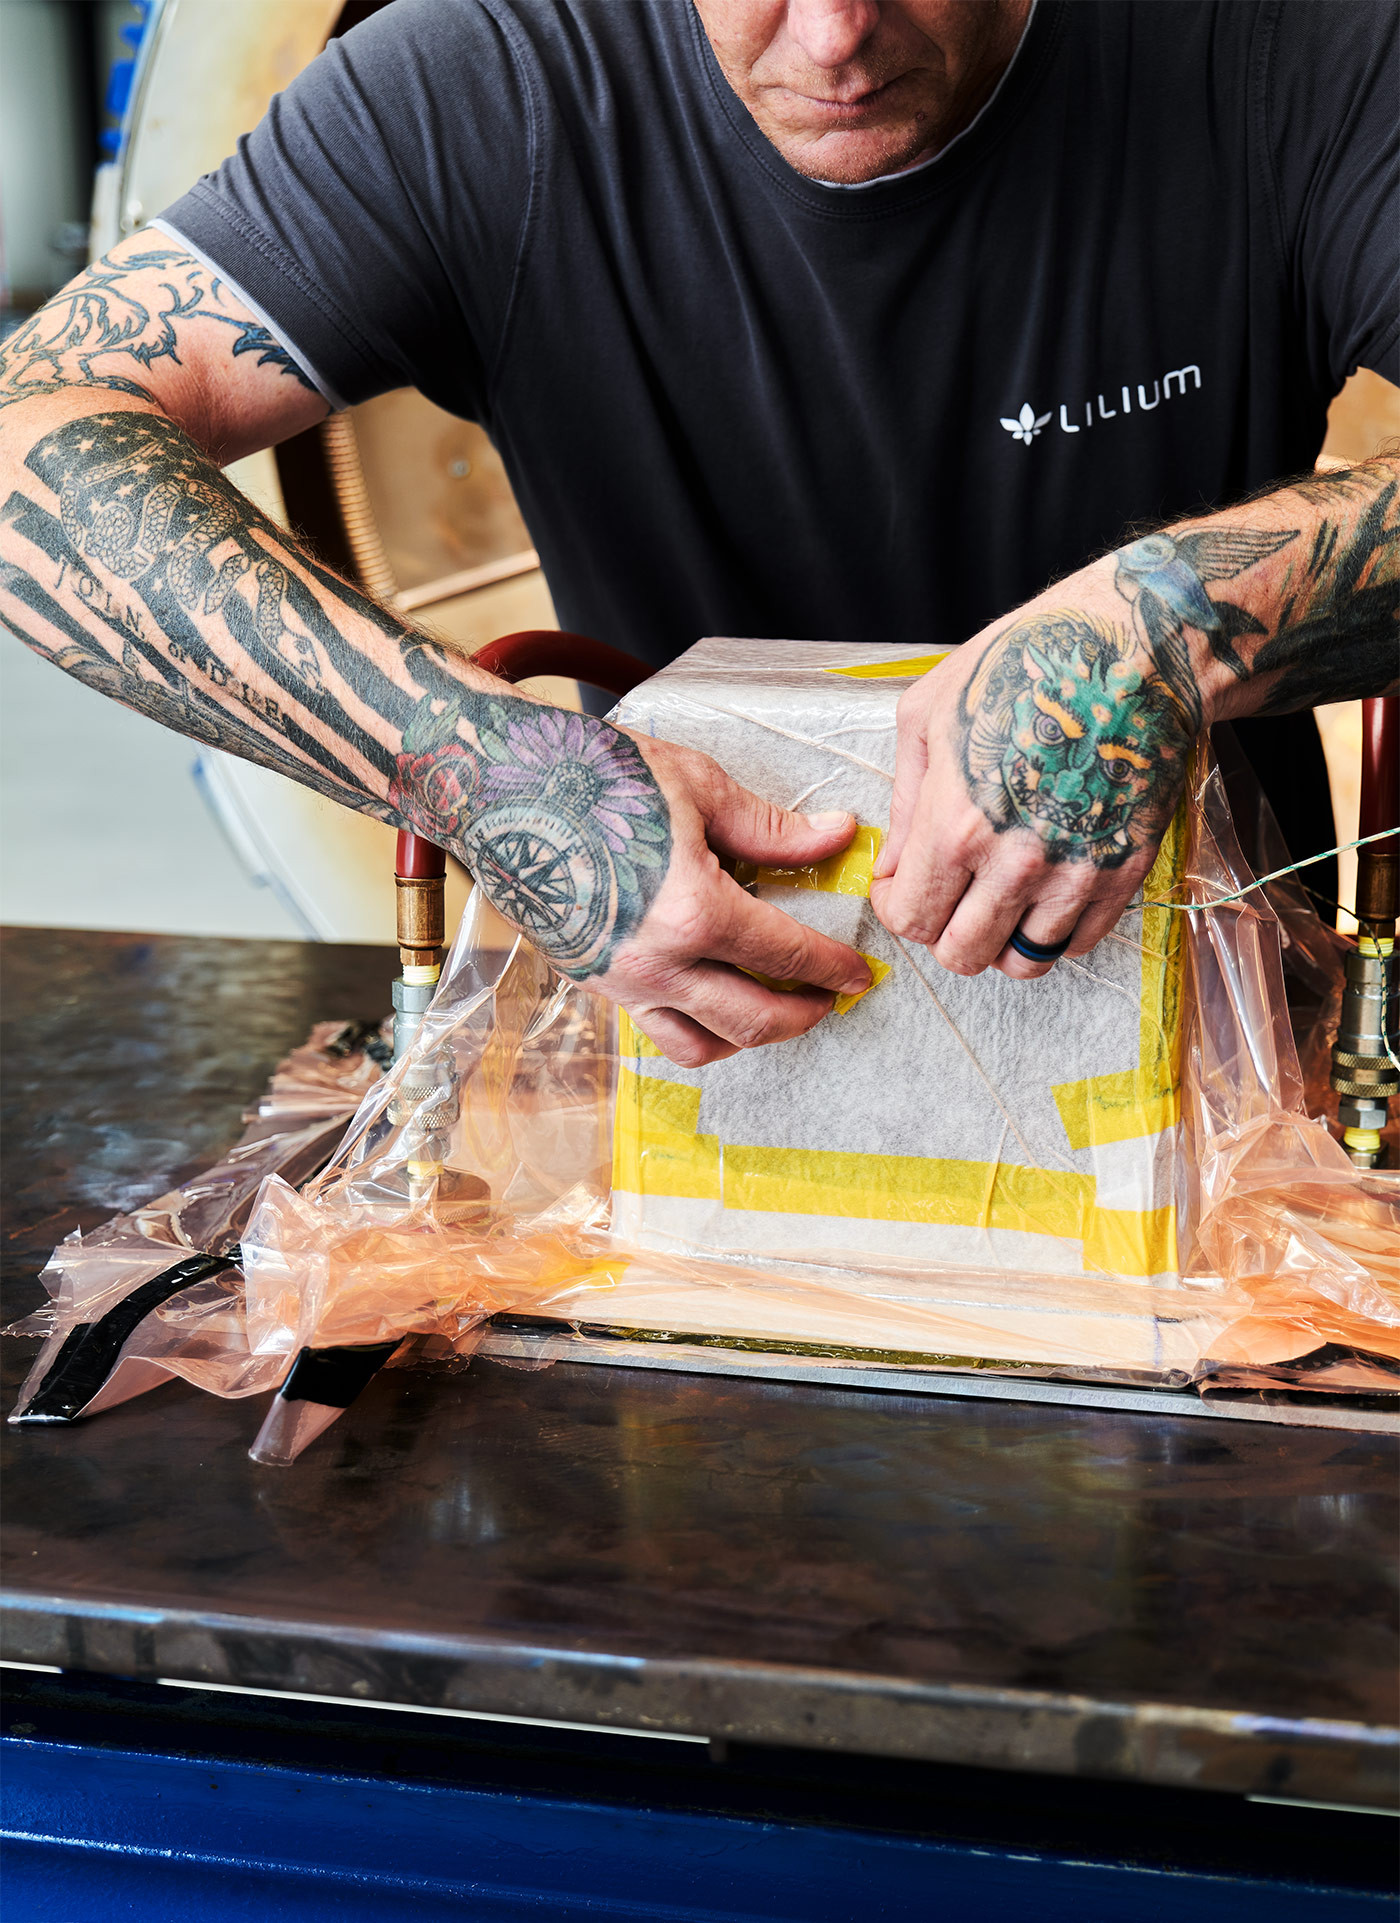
[846, 319]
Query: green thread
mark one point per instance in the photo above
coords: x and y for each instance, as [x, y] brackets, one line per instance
[1222, 901]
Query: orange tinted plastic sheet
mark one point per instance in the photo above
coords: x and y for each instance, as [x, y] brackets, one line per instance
[1288, 1250]
[1306, 1245]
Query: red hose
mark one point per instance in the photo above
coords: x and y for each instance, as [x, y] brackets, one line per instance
[516, 657]
[417, 859]
[1378, 866]
[1380, 764]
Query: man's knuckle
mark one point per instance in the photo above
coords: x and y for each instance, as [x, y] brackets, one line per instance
[955, 958]
[901, 919]
[691, 921]
[687, 1052]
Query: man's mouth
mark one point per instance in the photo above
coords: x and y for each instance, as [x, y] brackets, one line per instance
[847, 106]
[1035, 806]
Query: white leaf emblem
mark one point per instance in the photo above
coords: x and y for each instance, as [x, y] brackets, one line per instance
[1026, 425]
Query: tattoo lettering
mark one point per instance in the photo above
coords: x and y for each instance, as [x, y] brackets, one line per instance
[152, 579]
[99, 330]
[1078, 730]
[1066, 735]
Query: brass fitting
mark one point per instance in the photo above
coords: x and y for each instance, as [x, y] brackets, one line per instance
[421, 919]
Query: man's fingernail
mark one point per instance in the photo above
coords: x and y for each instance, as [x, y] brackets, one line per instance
[833, 818]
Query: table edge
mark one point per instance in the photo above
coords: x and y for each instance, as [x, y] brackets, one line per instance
[984, 1726]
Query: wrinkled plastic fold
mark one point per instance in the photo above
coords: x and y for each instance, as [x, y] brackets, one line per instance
[627, 1200]
[157, 1293]
[1125, 1171]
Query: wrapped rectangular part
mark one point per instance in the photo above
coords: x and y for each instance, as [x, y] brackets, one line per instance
[983, 1123]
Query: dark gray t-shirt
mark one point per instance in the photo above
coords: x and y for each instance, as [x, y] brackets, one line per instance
[735, 401]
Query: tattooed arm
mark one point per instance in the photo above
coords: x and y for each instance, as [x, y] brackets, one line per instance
[128, 560]
[1039, 765]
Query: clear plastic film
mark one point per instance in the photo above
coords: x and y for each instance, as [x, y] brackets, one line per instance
[1110, 1174]
[1121, 1172]
[158, 1292]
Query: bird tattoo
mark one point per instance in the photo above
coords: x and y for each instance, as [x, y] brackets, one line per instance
[1164, 575]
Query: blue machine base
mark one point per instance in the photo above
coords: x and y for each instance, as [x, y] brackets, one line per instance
[101, 1833]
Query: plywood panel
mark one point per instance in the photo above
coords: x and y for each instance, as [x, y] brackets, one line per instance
[437, 489]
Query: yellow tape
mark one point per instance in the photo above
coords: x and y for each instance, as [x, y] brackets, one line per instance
[907, 1188]
[630, 1039]
[843, 1003]
[849, 873]
[907, 670]
[657, 1151]
[1126, 1105]
[1130, 1241]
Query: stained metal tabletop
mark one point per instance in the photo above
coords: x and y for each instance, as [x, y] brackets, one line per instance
[1141, 1596]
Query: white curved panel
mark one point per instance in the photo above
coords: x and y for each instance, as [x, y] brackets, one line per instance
[208, 70]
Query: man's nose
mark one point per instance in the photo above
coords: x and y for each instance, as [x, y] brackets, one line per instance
[831, 32]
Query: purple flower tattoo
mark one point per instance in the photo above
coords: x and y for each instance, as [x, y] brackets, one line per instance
[556, 814]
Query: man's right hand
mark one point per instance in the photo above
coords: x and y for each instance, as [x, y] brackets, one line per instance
[679, 976]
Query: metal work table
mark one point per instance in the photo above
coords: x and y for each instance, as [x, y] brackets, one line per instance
[1144, 1599]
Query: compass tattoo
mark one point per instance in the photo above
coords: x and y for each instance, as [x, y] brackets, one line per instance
[1078, 729]
[142, 571]
[557, 816]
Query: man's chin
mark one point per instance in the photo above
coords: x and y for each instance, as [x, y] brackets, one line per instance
[852, 155]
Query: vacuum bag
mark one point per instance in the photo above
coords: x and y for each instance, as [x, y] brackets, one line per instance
[1123, 1171]
[984, 1122]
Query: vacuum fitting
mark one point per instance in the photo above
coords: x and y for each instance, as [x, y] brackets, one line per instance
[420, 872]
[1363, 1072]
[1366, 1055]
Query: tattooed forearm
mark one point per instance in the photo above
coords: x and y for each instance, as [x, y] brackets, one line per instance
[1164, 576]
[132, 563]
[109, 326]
[1336, 634]
[1077, 720]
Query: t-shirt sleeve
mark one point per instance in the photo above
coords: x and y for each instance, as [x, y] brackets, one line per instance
[376, 214]
[1331, 111]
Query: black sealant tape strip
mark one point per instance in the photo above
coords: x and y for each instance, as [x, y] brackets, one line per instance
[90, 1352]
[334, 1377]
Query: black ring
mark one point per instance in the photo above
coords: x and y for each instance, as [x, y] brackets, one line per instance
[1038, 951]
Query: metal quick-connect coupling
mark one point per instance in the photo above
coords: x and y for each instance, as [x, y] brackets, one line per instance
[426, 1105]
[1364, 1073]
[411, 1002]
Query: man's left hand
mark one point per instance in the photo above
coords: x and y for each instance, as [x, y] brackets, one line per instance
[1037, 768]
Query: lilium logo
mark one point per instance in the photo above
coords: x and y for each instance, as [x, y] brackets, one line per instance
[1026, 425]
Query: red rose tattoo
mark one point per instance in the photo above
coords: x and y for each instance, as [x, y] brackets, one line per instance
[435, 789]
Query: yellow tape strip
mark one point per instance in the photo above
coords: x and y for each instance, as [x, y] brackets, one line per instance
[849, 873]
[630, 1039]
[843, 1003]
[657, 1151]
[907, 1188]
[1134, 1102]
[907, 670]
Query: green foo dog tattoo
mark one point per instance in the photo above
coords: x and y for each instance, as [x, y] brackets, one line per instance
[1078, 729]
[1064, 735]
